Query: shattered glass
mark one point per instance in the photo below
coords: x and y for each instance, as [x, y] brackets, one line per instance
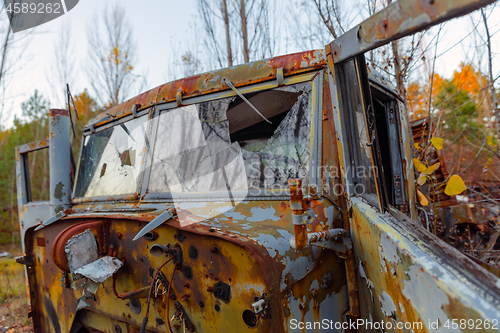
[111, 159]
[194, 152]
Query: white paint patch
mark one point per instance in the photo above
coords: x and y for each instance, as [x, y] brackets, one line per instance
[424, 293]
[273, 245]
[191, 205]
[314, 285]
[261, 214]
[362, 273]
[387, 304]
[388, 249]
[414, 22]
[329, 215]
[296, 268]
[235, 215]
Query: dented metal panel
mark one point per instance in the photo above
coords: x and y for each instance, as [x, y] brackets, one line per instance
[201, 84]
[405, 277]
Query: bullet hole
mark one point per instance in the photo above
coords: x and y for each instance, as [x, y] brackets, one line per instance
[217, 307]
[192, 252]
[188, 273]
[118, 329]
[222, 291]
[201, 304]
[249, 318]
[135, 305]
[151, 235]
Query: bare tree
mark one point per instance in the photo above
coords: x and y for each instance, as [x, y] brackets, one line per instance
[491, 81]
[12, 50]
[247, 30]
[112, 57]
[229, 51]
[62, 71]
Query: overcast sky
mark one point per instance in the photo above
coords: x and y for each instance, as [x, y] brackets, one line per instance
[159, 24]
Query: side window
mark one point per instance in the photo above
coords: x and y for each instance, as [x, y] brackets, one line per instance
[386, 112]
[36, 174]
[360, 127]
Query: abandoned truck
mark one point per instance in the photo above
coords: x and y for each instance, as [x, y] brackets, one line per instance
[274, 196]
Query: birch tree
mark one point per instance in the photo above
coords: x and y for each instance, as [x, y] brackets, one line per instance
[62, 70]
[237, 31]
[112, 57]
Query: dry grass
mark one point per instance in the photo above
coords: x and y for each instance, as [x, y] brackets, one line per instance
[14, 306]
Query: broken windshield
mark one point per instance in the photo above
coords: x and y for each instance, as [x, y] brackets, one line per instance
[225, 146]
[110, 160]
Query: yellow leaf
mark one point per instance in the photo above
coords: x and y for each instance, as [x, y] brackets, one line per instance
[416, 145]
[419, 165]
[455, 186]
[431, 169]
[421, 179]
[437, 142]
[421, 197]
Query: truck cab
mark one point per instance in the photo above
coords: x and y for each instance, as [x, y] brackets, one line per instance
[273, 196]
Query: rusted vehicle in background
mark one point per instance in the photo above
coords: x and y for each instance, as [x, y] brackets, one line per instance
[274, 196]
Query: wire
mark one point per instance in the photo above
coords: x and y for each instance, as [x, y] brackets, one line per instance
[168, 303]
[145, 320]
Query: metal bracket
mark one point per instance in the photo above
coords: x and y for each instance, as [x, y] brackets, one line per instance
[280, 77]
[337, 240]
[178, 97]
[25, 260]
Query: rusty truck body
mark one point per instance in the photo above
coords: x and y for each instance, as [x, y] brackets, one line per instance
[273, 196]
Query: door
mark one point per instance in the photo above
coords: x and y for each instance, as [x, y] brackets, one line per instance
[408, 279]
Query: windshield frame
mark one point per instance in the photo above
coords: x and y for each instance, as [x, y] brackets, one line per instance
[88, 132]
[316, 79]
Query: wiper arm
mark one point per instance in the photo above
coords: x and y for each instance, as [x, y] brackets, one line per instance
[224, 79]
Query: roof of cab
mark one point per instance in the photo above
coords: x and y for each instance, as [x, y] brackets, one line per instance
[209, 82]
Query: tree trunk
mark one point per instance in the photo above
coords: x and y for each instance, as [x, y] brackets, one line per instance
[494, 102]
[4, 49]
[228, 36]
[244, 32]
[400, 85]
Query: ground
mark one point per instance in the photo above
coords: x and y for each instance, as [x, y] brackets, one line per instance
[14, 306]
